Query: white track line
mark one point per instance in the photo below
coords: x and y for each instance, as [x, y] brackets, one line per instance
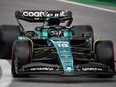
[89, 6]
[6, 78]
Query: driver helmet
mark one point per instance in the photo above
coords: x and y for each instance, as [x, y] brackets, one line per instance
[53, 21]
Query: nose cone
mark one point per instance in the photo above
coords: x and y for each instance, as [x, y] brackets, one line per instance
[65, 55]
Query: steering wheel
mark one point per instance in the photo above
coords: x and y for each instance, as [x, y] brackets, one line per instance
[53, 31]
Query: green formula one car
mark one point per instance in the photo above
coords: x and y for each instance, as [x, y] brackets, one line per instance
[54, 48]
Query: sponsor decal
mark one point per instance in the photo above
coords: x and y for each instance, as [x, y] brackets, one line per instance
[43, 14]
[62, 45]
[43, 69]
[69, 69]
[92, 69]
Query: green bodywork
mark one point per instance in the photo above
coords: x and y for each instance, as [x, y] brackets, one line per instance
[65, 54]
[62, 45]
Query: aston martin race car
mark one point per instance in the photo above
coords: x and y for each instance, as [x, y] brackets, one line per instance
[55, 47]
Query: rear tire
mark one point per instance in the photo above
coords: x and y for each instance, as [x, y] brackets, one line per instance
[8, 34]
[79, 30]
[21, 55]
[105, 54]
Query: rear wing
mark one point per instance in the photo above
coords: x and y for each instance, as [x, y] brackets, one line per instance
[41, 15]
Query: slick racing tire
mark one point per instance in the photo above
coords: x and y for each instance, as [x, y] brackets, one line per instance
[83, 31]
[104, 52]
[8, 34]
[21, 55]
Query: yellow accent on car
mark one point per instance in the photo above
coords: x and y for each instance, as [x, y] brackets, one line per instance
[31, 42]
[98, 39]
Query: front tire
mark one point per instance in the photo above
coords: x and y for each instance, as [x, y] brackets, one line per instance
[105, 54]
[21, 55]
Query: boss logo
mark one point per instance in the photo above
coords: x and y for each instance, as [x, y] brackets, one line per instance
[43, 14]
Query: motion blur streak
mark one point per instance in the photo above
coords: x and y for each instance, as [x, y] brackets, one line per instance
[90, 6]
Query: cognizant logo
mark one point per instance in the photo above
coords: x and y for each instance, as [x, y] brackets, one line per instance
[43, 14]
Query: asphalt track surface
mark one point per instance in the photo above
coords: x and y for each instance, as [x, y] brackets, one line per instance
[104, 25]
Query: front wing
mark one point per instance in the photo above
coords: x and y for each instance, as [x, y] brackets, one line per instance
[91, 68]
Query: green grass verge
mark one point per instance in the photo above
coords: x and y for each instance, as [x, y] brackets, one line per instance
[97, 2]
